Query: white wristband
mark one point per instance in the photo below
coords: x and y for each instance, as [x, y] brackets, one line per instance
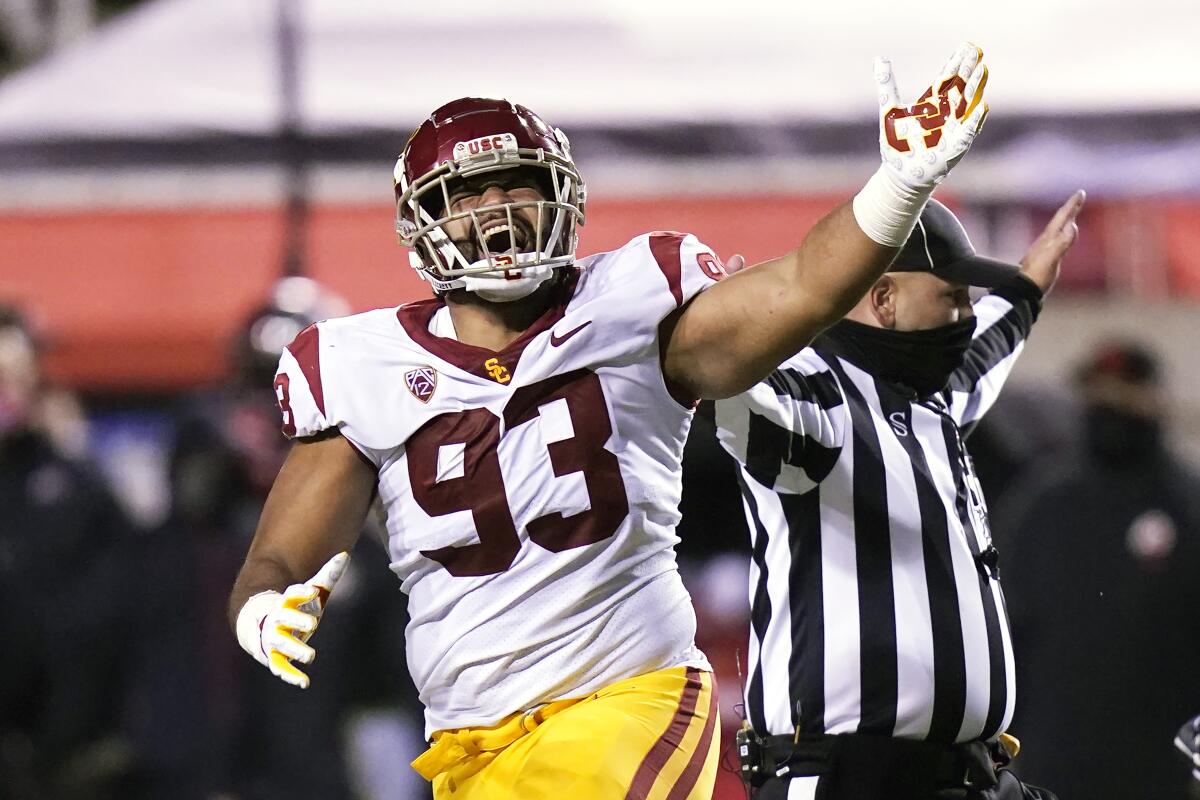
[887, 210]
[249, 623]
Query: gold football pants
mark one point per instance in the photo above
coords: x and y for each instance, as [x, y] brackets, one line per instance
[652, 737]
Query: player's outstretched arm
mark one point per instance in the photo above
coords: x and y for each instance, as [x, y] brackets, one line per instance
[733, 335]
[314, 514]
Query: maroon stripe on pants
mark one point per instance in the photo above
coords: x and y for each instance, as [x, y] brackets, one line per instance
[687, 779]
[665, 248]
[669, 742]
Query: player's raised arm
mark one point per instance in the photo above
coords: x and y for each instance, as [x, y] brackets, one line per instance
[733, 335]
[314, 513]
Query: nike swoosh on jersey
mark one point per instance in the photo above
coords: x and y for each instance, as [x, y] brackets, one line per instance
[558, 340]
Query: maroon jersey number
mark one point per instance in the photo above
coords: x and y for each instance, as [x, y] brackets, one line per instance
[284, 399]
[584, 452]
[479, 489]
[478, 485]
[712, 266]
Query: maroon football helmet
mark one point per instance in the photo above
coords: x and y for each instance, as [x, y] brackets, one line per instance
[470, 137]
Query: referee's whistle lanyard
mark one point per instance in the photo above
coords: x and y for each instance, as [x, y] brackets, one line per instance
[987, 559]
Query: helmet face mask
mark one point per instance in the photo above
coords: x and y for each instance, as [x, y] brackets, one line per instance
[468, 141]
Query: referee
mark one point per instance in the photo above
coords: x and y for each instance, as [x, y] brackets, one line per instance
[881, 661]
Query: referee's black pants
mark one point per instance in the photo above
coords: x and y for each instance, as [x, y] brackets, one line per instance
[860, 767]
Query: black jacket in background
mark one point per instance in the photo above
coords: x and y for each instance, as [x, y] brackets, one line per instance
[1101, 565]
[61, 590]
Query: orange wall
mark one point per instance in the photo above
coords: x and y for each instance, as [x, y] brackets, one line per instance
[148, 299]
[1182, 223]
[136, 298]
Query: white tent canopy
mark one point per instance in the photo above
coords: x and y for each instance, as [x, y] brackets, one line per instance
[188, 67]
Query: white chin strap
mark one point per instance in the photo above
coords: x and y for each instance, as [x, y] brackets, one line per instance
[496, 288]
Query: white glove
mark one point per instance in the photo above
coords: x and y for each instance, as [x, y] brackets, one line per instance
[920, 143]
[274, 627]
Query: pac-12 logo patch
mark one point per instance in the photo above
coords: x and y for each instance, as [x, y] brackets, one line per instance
[421, 382]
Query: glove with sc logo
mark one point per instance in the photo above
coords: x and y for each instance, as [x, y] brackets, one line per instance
[275, 627]
[920, 143]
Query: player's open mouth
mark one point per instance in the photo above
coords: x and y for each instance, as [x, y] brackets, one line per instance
[500, 237]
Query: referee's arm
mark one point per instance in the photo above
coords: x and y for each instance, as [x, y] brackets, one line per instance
[786, 431]
[1006, 317]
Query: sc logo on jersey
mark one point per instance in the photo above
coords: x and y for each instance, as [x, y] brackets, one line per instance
[497, 371]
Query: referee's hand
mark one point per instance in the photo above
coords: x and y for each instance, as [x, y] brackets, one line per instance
[1043, 260]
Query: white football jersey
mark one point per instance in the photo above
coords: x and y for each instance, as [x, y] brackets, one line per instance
[530, 495]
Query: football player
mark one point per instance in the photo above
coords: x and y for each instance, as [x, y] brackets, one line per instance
[522, 431]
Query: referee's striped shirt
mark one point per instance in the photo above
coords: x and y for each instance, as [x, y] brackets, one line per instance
[873, 603]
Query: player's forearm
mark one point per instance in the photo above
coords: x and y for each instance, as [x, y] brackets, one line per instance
[806, 291]
[282, 556]
[737, 332]
[827, 275]
[260, 573]
[764, 315]
[316, 508]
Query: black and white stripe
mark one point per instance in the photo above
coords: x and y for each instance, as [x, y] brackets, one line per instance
[873, 608]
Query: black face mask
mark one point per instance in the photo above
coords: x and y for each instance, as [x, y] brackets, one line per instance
[1119, 437]
[921, 360]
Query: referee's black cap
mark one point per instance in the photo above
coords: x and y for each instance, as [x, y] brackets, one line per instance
[940, 245]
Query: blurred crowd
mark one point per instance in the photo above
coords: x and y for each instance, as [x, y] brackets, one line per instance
[120, 679]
